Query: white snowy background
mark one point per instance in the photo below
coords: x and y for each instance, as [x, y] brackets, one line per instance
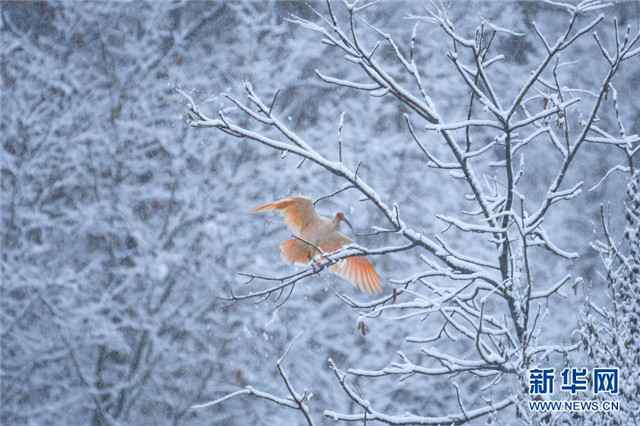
[123, 227]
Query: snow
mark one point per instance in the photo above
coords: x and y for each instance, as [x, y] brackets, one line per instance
[125, 228]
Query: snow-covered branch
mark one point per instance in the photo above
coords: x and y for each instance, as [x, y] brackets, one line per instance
[296, 400]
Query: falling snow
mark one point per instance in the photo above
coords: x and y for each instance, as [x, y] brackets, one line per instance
[125, 228]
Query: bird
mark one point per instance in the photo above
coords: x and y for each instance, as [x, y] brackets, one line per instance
[314, 233]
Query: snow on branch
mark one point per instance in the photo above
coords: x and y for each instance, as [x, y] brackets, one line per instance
[296, 400]
[370, 413]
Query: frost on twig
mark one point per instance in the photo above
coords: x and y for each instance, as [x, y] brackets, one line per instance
[610, 331]
[295, 400]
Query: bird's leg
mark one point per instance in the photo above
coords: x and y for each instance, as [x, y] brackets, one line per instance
[316, 262]
[313, 261]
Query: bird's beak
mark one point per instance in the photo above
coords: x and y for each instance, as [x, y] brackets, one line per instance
[344, 219]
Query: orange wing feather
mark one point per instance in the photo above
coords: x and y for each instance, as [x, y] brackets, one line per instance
[298, 212]
[296, 251]
[356, 269]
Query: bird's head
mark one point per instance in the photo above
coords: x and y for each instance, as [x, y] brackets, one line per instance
[340, 217]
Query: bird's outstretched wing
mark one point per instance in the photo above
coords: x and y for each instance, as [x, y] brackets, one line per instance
[356, 269]
[298, 212]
